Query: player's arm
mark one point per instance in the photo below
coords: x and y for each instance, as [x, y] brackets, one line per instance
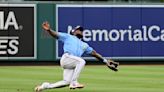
[98, 56]
[110, 63]
[46, 27]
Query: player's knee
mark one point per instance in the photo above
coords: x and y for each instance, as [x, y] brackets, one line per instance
[82, 62]
[67, 82]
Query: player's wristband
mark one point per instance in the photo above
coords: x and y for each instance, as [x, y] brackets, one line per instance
[105, 60]
[50, 30]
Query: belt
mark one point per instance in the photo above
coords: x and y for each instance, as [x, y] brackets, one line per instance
[67, 53]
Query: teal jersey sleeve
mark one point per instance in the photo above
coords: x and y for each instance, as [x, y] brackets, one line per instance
[62, 36]
[88, 50]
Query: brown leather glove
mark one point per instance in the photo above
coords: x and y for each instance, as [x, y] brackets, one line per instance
[112, 65]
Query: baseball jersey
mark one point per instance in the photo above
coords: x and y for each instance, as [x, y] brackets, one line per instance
[74, 45]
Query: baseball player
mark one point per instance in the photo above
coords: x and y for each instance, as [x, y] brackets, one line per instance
[71, 60]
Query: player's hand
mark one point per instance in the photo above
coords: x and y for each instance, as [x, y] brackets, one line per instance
[112, 65]
[46, 26]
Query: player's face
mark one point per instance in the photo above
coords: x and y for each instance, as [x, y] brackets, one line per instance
[79, 34]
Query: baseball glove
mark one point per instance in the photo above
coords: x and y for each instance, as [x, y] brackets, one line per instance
[112, 65]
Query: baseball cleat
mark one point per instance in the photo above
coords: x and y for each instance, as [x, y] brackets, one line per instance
[74, 86]
[38, 88]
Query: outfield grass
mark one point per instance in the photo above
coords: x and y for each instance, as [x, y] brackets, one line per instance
[96, 78]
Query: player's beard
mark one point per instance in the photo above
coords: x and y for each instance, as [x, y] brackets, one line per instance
[79, 36]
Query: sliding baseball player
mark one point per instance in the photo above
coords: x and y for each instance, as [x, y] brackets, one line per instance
[71, 61]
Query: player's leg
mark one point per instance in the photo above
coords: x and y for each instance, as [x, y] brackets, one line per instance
[47, 85]
[78, 64]
[67, 76]
[72, 63]
[72, 67]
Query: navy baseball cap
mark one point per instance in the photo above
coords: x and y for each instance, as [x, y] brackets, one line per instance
[77, 28]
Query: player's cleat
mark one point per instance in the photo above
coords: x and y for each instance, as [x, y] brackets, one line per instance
[38, 88]
[74, 86]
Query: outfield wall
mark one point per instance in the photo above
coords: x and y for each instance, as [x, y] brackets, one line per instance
[117, 31]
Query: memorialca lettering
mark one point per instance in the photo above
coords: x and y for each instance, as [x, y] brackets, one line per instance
[145, 33]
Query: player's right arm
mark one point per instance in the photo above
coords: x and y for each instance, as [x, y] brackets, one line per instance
[46, 27]
[59, 35]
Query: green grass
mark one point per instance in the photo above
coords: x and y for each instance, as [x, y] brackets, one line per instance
[96, 78]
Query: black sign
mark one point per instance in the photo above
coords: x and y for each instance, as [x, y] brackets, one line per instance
[17, 31]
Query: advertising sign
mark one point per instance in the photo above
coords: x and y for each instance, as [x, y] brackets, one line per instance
[17, 31]
[116, 31]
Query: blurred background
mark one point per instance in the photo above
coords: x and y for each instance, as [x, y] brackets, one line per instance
[45, 41]
[19, 73]
[129, 1]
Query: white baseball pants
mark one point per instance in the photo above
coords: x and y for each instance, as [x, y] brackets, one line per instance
[72, 66]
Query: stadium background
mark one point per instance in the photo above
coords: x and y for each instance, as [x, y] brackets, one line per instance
[46, 44]
[17, 75]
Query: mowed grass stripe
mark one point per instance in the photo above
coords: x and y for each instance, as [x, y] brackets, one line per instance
[96, 78]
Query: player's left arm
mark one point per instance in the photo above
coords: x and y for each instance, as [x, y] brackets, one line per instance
[98, 56]
[110, 63]
[89, 50]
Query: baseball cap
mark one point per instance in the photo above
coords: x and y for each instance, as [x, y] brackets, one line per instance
[77, 28]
